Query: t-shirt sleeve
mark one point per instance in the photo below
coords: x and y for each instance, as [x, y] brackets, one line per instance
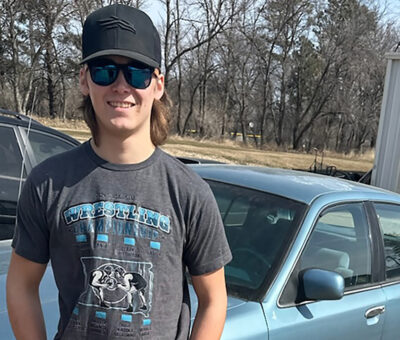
[206, 247]
[31, 236]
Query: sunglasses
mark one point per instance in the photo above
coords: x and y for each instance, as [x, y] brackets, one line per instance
[104, 72]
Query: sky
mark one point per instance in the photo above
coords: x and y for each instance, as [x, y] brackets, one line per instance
[393, 9]
[155, 10]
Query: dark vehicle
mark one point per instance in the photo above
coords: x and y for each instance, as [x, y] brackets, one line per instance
[23, 138]
[195, 160]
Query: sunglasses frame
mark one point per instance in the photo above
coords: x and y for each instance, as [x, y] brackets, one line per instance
[103, 62]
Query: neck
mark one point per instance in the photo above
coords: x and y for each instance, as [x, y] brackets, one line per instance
[123, 151]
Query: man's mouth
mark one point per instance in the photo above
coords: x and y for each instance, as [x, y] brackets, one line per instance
[124, 105]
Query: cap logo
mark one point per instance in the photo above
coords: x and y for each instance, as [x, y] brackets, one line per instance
[114, 22]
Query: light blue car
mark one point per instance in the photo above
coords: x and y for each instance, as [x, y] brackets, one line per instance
[314, 257]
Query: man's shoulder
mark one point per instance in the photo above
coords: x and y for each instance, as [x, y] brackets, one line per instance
[187, 182]
[183, 172]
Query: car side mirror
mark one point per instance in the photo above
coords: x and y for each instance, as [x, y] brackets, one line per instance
[319, 284]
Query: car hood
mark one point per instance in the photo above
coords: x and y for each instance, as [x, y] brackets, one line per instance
[240, 314]
[232, 302]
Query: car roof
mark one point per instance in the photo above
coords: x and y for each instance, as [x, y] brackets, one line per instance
[11, 117]
[17, 119]
[297, 185]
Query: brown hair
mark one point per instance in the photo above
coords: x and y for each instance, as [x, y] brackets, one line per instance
[159, 123]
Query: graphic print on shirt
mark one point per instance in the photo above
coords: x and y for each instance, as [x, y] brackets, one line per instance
[117, 226]
[121, 243]
[115, 284]
[114, 217]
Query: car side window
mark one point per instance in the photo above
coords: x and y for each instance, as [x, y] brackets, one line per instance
[10, 173]
[389, 221]
[45, 146]
[339, 242]
[10, 154]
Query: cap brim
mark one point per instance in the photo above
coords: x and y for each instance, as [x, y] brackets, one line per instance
[129, 54]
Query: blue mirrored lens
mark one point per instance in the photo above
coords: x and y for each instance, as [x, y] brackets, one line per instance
[104, 75]
[138, 78]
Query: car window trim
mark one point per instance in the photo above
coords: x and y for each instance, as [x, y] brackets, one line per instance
[361, 288]
[7, 216]
[15, 178]
[24, 148]
[391, 283]
[349, 292]
[378, 248]
[385, 281]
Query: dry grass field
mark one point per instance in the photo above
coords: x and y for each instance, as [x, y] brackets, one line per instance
[231, 152]
[234, 152]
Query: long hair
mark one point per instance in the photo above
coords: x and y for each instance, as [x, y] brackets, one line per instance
[159, 120]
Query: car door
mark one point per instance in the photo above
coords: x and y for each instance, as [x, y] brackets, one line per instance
[10, 178]
[340, 242]
[13, 141]
[389, 223]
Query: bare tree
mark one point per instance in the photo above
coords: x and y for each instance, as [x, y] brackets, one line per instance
[302, 72]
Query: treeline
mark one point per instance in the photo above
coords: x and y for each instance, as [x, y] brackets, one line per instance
[298, 74]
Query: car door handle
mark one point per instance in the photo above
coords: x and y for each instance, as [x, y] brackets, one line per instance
[372, 312]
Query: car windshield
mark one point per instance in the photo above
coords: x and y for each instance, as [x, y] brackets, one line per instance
[259, 227]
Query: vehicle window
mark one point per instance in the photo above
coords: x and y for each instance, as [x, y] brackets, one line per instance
[258, 227]
[339, 242]
[10, 154]
[389, 221]
[342, 220]
[10, 173]
[44, 145]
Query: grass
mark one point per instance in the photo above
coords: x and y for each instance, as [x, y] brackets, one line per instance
[251, 156]
[229, 151]
[80, 135]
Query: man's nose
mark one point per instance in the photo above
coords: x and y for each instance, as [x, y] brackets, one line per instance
[120, 83]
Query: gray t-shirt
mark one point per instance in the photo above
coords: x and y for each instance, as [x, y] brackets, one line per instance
[119, 238]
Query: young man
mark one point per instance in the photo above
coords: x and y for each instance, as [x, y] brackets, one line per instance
[119, 219]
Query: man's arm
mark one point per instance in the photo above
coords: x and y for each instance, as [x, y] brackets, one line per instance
[23, 302]
[212, 302]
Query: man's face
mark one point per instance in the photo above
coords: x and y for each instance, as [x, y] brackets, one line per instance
[121, 110]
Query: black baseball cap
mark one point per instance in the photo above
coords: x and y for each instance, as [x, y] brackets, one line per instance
[121, 30]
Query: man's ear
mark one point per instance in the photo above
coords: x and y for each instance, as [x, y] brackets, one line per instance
[159, 89]
[83, 82]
